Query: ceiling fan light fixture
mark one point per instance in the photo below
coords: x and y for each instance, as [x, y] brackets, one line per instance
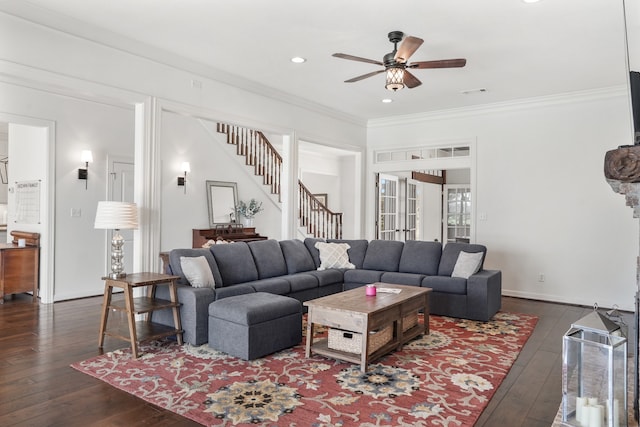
[395, 76]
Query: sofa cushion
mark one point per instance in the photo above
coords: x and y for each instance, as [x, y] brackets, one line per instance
[296, 256]
[447, 285]
[310, 243]
[420, 257]
[301, 281]
[197, 271]
[257, 308]
[410, 279]
[383, 255]
[272, 285]
[176, 268]
[231, 291]
[333, 255]
[268, 258]
[450, 256]
[235, 262]
[467, 264]
[357, 250]
[328, 277]
[362, 276]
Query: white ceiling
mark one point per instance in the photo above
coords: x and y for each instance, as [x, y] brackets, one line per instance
[514, 50]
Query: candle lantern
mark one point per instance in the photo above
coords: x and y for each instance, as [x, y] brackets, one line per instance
[594, 373]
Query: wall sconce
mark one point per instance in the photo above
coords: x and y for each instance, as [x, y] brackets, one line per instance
[182, 180]
[87, 158]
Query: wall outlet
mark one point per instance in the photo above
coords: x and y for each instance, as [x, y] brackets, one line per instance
[76, 212]
[541, 277]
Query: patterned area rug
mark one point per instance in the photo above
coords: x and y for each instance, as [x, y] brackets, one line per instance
[445, 379]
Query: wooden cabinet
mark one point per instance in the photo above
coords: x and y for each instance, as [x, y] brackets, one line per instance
[229, 232]
[20, 266]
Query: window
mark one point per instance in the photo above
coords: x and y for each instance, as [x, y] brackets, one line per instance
[457, 226]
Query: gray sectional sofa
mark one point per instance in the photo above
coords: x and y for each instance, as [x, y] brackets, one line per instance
[290, 268]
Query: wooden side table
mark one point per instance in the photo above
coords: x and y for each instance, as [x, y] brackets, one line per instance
[144, 330]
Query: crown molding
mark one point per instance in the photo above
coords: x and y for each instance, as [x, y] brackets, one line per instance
[499, 107]
[40, 16]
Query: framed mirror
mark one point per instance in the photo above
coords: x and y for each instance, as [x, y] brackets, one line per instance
[222, 198]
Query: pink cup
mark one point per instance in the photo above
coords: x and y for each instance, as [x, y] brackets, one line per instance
[370, 290]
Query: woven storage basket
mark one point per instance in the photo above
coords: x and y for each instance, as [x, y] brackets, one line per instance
[351, 342]
[409, 321]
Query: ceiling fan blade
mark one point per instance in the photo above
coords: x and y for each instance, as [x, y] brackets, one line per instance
[442, 63]
[410, 80]
[407, 48]
[356, 58]
[364, 76]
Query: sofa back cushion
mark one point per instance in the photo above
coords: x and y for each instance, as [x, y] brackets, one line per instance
[357, 250]
[310, 243]
[176, 267]
[450, 256]
[297, 256]
[420, 257]
[268, 258]
[235, 263]
[383, 255]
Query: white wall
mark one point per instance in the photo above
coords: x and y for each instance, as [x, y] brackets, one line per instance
[185, 139]
[540, 184]
[80, 250]
[88, 90]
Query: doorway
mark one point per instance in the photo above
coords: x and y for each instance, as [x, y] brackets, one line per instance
[29, 156]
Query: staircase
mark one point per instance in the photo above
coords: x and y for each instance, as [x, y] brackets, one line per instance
[260, 154]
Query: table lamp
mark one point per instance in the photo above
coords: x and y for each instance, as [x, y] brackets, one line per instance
[116, 216]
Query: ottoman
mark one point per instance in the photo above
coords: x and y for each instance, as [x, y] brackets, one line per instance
[253, 325]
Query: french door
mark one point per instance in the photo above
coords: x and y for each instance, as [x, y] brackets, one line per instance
[398, 212]
[388, 227]
[412, 209]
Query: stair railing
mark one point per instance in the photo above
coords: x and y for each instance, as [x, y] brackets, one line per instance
[258, 152]
[318, 220]
[316, 217]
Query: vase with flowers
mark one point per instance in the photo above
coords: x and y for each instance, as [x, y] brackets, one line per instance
[248, 211]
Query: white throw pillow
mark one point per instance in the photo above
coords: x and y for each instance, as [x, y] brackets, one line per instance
[468, 263]
[333, 255]
[197, 272]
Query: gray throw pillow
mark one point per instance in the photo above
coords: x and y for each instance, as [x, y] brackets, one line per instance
[468, 263]
[197, 272]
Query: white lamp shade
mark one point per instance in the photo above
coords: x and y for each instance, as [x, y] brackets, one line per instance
[116, 215]
[186, 167]
[86, 156]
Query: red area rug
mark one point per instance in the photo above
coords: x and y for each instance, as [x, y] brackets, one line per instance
[445, 379]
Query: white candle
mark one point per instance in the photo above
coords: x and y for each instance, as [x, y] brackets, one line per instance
[592, 401]
[584, 421]
[581, 402]
[596, 416]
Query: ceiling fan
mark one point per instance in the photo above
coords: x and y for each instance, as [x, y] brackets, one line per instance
[395, 63]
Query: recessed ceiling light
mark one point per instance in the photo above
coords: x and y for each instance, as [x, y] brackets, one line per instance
[387, 101]
[471, 91]
[298, 60]
[530, 1]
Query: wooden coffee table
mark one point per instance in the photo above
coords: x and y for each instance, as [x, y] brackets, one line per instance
[356, 312]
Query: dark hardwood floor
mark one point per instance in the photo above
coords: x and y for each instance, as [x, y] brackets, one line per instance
[38, 388]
